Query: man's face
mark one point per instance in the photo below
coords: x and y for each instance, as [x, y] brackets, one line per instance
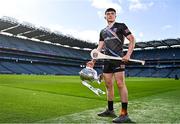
[110, 16]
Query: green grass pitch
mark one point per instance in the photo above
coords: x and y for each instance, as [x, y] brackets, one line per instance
[31, 98]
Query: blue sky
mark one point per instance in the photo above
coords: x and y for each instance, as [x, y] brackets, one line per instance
[83, 19]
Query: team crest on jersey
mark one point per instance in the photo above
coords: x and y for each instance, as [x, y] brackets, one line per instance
[114, 30]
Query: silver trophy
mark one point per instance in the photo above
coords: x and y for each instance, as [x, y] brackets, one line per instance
[90, 75]
[87, 74]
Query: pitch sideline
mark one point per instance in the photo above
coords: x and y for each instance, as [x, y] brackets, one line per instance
[160, 108]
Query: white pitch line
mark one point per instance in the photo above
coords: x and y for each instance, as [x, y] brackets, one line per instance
[159, 108]
[88, 116]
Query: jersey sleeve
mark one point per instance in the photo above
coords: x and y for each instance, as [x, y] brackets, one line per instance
[125, 30]
[101, 37]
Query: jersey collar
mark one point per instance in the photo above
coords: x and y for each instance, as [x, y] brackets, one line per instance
[110, 26]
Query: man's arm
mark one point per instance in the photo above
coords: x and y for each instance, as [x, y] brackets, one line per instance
[130, 47]
[99, 48]
[100, 45]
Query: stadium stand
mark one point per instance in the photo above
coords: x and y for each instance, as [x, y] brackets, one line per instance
[26, 49]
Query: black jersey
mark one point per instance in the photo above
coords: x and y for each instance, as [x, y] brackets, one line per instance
[113, 38]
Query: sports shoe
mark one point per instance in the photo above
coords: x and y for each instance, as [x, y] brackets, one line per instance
[107, 113]
[122, 119]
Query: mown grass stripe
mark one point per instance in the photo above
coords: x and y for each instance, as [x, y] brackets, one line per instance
[51, 92]
[151, 109]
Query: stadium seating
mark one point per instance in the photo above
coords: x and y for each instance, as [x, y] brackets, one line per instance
[24, 56]
[156, 54]
[39, 47]
[22, 68]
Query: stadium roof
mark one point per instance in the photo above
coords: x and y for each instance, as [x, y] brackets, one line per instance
[12, 26]
[156, 43]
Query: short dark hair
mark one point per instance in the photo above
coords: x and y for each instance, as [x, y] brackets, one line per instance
[110, 9]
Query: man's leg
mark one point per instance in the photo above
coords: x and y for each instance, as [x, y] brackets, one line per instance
[123, 92]
[108, 78]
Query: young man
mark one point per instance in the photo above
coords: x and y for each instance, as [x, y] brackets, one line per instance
[112, 40]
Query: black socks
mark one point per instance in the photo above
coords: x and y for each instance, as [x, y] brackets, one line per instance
[110, 105]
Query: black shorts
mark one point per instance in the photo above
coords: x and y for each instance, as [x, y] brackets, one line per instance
[112, 66]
